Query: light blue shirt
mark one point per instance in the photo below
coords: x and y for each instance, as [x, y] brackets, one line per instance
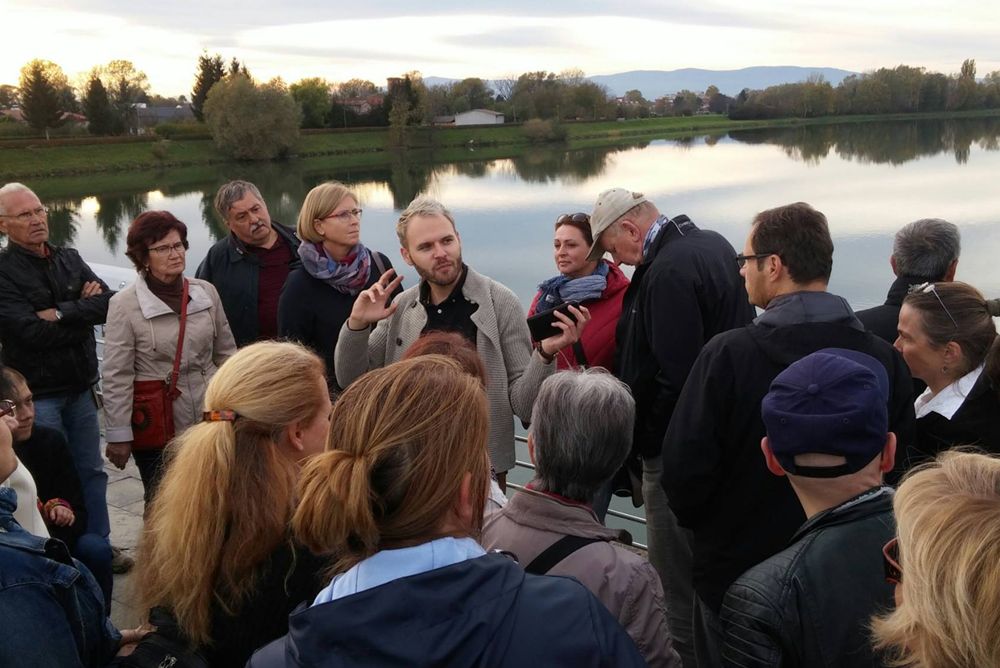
[388, 565]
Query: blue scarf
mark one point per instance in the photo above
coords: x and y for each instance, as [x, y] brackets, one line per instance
[561, 289]
[348, 277]
[651, 234]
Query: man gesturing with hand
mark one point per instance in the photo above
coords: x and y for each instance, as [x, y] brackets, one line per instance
[453, 297]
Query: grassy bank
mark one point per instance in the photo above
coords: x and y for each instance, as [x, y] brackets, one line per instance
[370, 147]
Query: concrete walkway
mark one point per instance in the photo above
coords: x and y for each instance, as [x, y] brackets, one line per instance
[125, 506]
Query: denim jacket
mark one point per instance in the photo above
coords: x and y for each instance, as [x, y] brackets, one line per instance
[51, 609]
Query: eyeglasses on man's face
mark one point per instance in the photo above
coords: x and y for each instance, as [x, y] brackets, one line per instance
[25, 216]
[345, 215]
[931, 288]
[741, 259]
[166, 249]
[890, 562]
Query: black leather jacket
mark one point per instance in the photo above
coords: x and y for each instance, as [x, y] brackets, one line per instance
[234, 272]
[810, 604]
[55, 357]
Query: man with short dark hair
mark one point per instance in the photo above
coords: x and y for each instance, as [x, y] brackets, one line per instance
[924, 251]
[686, 289]
[581, 432]
[453, 297]
[250, 266]
[50, 301]
[713, 474]
[810, 604]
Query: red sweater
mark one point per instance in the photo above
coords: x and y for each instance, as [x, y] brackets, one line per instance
[599, 336]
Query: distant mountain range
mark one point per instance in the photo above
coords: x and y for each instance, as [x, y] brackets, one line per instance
[655, 83]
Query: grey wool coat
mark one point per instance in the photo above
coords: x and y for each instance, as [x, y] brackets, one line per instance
[513, 371]
[140, 341]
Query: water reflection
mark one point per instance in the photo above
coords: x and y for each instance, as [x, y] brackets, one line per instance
[891, 142]
[869, 178]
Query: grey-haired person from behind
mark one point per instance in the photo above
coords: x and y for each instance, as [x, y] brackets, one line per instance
[810, 604]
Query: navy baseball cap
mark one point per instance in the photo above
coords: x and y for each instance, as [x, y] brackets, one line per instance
[834, 402]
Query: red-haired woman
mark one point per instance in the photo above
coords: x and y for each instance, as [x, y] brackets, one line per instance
[141, 338]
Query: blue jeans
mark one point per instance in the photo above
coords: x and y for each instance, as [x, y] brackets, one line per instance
[95, 553]
[75, 416]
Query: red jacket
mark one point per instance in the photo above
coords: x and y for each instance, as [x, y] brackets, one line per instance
[599, 336]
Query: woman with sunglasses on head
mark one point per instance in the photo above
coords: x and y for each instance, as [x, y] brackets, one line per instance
[948, 338]
[143, 342]
[336, 266]
[945, 563]
[217, 553]
[599, 285]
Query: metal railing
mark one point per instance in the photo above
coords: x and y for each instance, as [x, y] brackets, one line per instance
[627, 517]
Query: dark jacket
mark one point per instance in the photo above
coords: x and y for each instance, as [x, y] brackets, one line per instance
[687, 290]
[289, 577]
[55, 357]
[47, 458]
[713, 471]
[51, 607]
[810, 604]
[882, 321]
[480, 612]
[977, 422]
[312, 312]
[234, 272]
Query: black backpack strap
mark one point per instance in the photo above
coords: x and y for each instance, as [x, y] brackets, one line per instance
[581, 357]
[558, 551]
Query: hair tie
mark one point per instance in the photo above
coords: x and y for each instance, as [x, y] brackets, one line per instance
[219, 416]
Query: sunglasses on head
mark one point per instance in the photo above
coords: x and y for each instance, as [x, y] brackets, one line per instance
[890, 562]
[573, 217]
[925, 288]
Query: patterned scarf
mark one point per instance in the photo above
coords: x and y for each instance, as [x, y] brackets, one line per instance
[348, 277]
[654, 230]
[561, 289]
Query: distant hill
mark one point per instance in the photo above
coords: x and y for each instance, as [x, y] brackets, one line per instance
[655, 83]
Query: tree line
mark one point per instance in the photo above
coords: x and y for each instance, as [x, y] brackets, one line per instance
[901, 89]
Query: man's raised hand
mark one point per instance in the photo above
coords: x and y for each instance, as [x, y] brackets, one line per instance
[372, 304]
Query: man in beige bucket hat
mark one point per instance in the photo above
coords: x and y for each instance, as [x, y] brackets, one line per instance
[686, 289]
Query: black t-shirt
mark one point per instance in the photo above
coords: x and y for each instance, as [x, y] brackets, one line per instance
[454, 314]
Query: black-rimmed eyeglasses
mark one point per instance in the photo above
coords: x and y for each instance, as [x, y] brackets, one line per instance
[925, 288]
[741, 259]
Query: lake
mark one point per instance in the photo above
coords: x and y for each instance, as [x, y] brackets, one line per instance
[868, 178]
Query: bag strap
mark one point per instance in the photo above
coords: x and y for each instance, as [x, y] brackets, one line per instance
[581, 357]
[176, 372]
[558, 551]
[377, 259]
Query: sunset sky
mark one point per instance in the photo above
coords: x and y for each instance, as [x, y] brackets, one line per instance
[452, 38]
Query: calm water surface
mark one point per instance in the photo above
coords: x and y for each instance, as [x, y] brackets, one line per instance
[869, 179]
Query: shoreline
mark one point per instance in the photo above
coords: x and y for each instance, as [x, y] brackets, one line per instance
[370, 147]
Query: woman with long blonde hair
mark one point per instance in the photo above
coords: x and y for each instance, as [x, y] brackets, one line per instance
[946, 563]
[398, 499]
[216, 551]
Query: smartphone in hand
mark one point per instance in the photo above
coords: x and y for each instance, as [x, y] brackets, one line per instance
[540, 325]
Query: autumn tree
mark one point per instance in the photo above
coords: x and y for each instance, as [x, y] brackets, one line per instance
[313, 97]
[8, 96]
[252, 121]
[236, 68]
[97, 107]
[211, 70]
[39, 88]
[356, 88]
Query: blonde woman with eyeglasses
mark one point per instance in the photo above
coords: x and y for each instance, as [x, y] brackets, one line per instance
[141, 343]
[336, 266]
[949, 340]
[946, 566]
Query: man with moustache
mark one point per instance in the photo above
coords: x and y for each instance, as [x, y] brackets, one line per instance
[453, 297]
[50, 301]
[250, 266]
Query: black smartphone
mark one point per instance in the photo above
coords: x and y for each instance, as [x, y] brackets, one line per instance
[540, 325]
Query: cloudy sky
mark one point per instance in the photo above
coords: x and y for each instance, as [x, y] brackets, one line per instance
[375, 39]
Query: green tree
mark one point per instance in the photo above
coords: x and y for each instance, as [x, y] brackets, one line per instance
[211, 70]
[399, 115]
[236, 68]
[356, 88]
[8, 96]
[39, 86]
[965, 92]
[97, 107]
[471, 93]
[126, 86]
[686, 103]
[313, 96]
[250, 121]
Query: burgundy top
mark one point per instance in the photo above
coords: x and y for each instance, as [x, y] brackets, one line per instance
[169, 293]
[274, 270]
